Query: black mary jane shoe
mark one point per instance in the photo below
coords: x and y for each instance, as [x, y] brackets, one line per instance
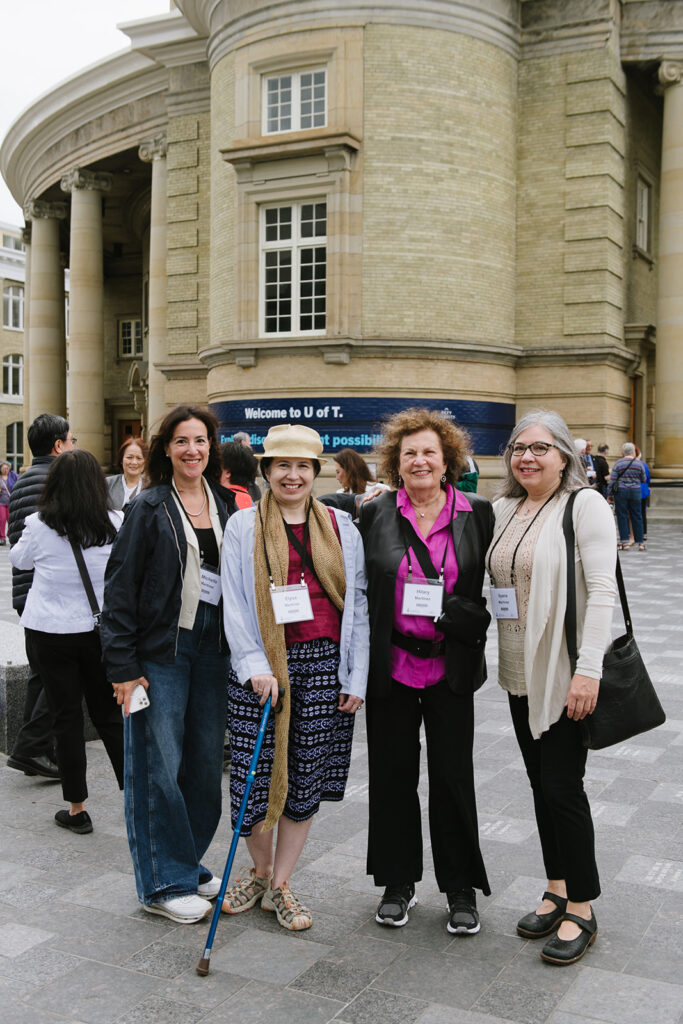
[537, 926]
[567, 951]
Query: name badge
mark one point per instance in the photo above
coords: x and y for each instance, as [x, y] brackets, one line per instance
[423, 598]
[291, 604]
[210, 585]
[504, 603]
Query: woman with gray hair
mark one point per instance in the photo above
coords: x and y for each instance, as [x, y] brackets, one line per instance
[527, 562]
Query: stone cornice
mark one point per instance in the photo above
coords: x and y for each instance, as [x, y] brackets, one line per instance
[615, 355]
[182, 371]
[125, 78]
[337, 147]
[651, 30]
[167, 39]
[495, 22]
[550, 28]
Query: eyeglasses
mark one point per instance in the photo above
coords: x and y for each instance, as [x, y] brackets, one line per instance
[538, 448]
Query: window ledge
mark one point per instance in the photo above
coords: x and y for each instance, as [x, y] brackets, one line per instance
[247, 152]
[639, 253]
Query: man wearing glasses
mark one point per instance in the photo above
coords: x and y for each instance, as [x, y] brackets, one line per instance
[33, 751]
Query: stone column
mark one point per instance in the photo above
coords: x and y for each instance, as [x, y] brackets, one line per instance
[154, 151]
[44, 343]
[669, 356]
[86, 305]
[26, 238]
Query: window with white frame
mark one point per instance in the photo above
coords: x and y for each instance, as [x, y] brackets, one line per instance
[13, 306]
[294, 268]
[12, 242]
[643, 214]
[13, 375]
[14, 445]
[294, 100]
[130, 338]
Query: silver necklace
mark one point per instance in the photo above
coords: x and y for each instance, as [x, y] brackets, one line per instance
[195, 514]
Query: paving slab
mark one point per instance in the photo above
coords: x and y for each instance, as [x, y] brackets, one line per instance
[75, 947]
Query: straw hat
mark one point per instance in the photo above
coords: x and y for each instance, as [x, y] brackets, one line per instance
[292, 441]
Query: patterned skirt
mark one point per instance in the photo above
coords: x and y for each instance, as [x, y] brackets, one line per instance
[320, 737]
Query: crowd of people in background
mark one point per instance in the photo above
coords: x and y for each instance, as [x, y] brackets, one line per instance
[179, 594]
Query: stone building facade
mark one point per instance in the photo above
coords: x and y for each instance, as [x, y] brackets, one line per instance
[13, 284]
[324, 211]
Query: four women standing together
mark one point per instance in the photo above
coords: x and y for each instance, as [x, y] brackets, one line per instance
[285, 582]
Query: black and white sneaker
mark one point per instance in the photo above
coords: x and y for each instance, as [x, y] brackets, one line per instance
[395, 903]
[463, 915]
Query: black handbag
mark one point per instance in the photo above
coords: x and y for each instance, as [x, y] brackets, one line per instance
[627, 702]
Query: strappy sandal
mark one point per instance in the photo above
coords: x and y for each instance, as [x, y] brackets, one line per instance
[248, 889]
[291, 913]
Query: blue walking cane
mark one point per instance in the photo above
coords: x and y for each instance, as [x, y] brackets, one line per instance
[203, 965]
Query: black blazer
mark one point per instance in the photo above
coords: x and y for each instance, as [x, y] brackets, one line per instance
[384, 549]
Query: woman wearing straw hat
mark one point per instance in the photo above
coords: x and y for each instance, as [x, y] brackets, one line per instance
[296, 617]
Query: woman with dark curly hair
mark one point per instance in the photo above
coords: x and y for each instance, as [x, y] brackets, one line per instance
[424, 547]
[162, 632]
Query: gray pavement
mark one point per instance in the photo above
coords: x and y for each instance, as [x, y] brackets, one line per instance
[75, 947]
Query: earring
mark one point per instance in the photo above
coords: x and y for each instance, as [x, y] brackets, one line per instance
[400, 481]
[443, 478]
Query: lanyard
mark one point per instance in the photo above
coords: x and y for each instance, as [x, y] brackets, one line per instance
[425, 563]
[295, 541]
[500, 536]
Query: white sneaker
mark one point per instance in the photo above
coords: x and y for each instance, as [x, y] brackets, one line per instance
[209, 890]
[181, 909]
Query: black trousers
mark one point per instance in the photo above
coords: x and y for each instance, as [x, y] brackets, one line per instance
[395, 830]
[35, 738]
[70, 666]
[556, 764]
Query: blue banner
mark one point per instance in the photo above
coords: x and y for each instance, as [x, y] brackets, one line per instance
[357, 422]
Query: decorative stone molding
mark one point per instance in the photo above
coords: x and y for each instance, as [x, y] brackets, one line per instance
[36, 209]
[670, 72]
[154, 148]
[26, 234]
[92, 180]
[338, 148]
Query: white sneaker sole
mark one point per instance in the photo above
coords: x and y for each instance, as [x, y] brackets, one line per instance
[462, 929]
[159, 908]
[396, 924]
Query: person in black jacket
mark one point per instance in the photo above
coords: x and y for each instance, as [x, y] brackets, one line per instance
[161, 632]
[424, 548]
[33, 750]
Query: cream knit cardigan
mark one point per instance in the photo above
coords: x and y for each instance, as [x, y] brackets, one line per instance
[546, 660]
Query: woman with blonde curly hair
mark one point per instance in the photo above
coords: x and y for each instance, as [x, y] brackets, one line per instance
[424, 546]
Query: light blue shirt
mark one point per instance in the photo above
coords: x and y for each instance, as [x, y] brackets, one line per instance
[247, 653]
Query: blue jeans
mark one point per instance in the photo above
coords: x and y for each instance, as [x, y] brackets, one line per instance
[627, 502]
[174, 764]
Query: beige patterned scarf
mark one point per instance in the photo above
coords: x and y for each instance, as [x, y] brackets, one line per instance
[329, 568]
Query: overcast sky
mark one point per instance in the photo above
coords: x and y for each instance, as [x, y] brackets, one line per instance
[46, 41]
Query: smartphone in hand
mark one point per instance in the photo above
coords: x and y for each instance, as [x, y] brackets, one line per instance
[138, 699]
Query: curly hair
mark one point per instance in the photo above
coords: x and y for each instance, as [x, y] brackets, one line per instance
[159, 468]
[455, 442]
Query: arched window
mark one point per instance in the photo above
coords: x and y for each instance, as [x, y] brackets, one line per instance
[13, 376]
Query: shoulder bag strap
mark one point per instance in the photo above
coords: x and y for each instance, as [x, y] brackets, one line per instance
[570, 612]
[87, 583]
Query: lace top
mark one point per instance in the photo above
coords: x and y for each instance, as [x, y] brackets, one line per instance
[511, 631]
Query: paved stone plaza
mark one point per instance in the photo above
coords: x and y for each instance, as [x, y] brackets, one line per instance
[75, 947]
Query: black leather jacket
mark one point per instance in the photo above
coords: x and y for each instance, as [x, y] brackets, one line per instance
[144, 580]
[384, 549]
[23, 502]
